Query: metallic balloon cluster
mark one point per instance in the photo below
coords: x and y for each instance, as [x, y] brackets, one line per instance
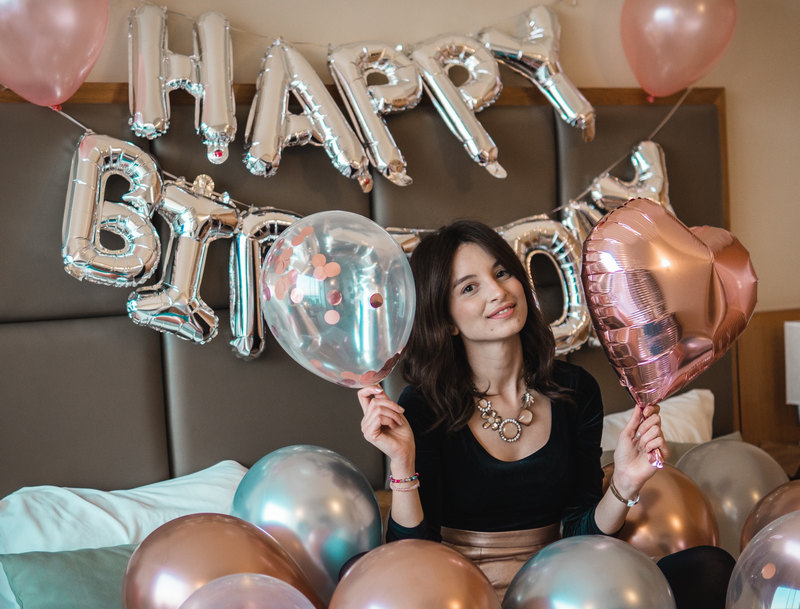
[208, 75]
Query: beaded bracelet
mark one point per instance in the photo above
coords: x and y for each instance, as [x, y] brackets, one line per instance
[403, 489]
[401, 480]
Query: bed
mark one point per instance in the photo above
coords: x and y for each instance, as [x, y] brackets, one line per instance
[109, 429]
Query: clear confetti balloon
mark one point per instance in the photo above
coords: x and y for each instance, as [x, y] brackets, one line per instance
[767, 574]
[338, 295]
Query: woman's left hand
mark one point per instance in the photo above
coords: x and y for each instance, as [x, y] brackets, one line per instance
[632, 458]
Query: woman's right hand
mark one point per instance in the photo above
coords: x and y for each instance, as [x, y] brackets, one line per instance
[385, 427]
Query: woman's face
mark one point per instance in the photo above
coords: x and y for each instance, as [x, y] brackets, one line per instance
[487, 303]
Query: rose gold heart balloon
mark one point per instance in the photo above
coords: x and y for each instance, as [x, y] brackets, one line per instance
[666, 300]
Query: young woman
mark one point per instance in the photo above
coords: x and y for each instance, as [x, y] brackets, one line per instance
[494, 447]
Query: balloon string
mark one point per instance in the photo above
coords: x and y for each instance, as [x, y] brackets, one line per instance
[70, 118]
[653, 133]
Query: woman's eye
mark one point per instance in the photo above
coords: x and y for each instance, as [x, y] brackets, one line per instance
[502, 273]
[467, 289]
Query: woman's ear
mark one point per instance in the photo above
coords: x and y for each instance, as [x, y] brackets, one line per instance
[454, 331]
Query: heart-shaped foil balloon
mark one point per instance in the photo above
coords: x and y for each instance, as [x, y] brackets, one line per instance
[666, 300]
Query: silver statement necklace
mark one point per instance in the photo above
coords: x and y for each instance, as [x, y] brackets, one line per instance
[509, 429]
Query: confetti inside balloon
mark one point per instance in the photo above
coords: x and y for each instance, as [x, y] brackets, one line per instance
[338, 295]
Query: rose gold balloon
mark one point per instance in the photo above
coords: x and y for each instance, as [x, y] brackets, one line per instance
[672, 514]
[666, 300]
[48, 47]
[670, 44]
[411, 574]
[186, 553]
[777, 503]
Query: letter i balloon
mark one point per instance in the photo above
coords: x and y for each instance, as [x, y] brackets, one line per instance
[338, 295]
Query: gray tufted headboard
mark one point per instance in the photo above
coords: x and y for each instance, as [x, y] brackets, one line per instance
[87, 398]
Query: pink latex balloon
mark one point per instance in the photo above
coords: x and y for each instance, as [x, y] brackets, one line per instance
[670, 44]
[666, 300]
[48, 47]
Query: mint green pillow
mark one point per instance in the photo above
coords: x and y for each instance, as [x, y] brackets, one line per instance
[78, 579]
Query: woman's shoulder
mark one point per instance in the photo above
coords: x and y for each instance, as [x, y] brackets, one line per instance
[574, 377]
[416, 408]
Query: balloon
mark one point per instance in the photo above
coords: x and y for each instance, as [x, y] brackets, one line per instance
[457, 105]
[350, 65]
[257, 230]
[773, 505]
[666, 301]
[271, 126]
[207, 75]
[196, 217]
[767, 574]
[670, 44]
[536, 57]
[246, 591]
[589, 571]
[188, 552]
[414, 573]
[48, 47]
[317, 504]
[338, 295]
[734, 476]
[607, 193]
[87, 214]
[538, 235]
[673, 514]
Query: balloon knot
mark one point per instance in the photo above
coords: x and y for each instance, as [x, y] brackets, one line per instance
[56, 107]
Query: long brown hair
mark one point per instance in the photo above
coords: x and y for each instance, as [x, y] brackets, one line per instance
[434, 359]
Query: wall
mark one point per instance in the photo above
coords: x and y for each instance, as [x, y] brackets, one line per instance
[759, 73]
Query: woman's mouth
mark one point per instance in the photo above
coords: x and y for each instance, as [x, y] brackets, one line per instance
[502, 312]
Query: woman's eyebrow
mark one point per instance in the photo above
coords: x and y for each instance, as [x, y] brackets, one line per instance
[463, 279]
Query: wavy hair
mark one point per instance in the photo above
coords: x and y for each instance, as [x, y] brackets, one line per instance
[434, 359]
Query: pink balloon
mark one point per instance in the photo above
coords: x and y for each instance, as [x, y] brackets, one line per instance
[48, 47]
[670, 44]
[666, 300]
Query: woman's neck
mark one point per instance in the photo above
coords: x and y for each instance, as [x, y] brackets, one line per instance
[497, 367]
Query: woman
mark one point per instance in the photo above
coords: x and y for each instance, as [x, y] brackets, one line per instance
[494, 447]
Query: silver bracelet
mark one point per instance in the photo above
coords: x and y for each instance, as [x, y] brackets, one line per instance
[629, 502]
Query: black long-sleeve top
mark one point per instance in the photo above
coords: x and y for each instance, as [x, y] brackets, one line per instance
[462, 486]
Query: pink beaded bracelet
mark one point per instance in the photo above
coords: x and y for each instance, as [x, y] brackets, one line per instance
[395, 486]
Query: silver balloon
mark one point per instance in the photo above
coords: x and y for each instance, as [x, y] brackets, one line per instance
[457, 105]
[87, 214]
[196, 217]
[606, 192]
[207, 74]
[589, 571]
[316, 504]
[350, 66]
[257, 230]
[271, 126]
[535, 55]
[538, 235]
[734, 476]
[767, 574]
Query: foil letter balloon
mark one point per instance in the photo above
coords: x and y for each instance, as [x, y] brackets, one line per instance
[257, 230]
[535, 55]
[457, 105]
[539, 235]
[87, 214]
[196, 217]
[316, 504]
[207, 74]
[607, 192]
[338, 295]
[350, 66]
[271, 126]
[666, 300]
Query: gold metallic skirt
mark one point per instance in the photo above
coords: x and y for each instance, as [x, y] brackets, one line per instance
[500, 554]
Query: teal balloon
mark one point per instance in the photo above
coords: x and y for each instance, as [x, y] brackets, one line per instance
[317, 504]
[589, 571]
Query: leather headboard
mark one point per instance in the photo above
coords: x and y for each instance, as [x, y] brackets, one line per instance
[88, 398]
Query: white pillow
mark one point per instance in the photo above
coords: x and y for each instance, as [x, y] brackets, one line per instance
[55, 519]
[686, 417]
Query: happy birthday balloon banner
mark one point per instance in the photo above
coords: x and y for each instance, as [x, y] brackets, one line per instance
[207, 74]
[198, 216]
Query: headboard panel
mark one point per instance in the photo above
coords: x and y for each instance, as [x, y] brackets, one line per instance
[88, 398]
